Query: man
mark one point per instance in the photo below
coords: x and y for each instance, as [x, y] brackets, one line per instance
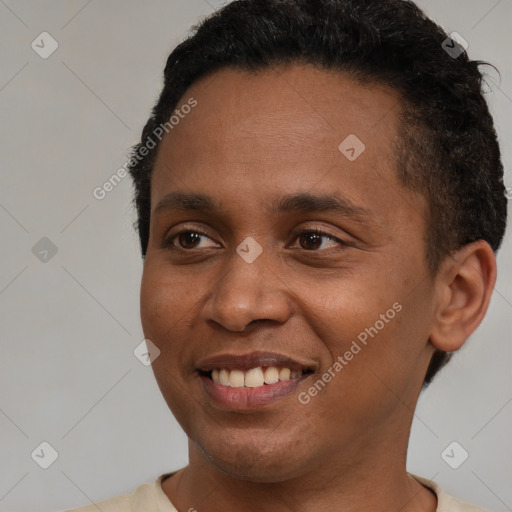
[320, 198]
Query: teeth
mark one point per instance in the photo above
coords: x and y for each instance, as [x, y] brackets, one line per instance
[253, 378]
[224, 377]
[284, 374]
[271, 375]
[236, 379]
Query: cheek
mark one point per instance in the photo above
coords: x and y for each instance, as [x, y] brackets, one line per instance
[347, 310]
[379, 330]
[163, 307]
[154, 304]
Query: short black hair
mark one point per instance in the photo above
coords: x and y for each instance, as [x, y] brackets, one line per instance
[447, 148]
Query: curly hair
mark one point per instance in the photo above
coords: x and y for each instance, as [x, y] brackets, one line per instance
[448, 148]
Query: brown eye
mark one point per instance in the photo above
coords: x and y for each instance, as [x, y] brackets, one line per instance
[186, 240]
[311, 239]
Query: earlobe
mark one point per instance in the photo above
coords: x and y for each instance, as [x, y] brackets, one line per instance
[465, 283]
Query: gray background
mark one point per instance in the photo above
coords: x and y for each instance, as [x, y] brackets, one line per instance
[69, 325]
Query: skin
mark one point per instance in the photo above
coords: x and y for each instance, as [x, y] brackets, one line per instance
[251, 139]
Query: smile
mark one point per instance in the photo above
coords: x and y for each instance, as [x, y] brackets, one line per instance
[246, 382]
[253, 378]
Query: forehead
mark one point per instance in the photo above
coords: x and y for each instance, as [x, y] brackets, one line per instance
[283, 129]
[300, 103]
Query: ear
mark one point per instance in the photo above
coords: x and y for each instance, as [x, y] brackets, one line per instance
[464, 283]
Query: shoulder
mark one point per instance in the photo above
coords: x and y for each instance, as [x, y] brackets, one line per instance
[147, 496]
[446, 502]
[117, 504]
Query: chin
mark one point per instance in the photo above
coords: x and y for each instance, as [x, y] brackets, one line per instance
[250, 460]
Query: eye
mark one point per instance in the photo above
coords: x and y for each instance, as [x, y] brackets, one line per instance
[313, 238]
[186, 238]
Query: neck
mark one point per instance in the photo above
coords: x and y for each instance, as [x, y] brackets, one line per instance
[377, 481]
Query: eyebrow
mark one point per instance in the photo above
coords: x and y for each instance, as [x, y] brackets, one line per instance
[304, 202]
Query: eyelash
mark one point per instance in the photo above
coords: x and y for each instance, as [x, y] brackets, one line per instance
[169, 245]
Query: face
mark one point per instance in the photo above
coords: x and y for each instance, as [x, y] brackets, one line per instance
[285, 281]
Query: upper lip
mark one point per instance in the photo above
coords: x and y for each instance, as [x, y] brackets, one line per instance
[253, 360]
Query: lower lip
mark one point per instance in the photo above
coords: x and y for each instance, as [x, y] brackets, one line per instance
[244, 399]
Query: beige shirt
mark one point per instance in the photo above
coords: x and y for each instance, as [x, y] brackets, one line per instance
[150, 497]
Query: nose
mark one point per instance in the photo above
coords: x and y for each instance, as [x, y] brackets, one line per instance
[246, 293]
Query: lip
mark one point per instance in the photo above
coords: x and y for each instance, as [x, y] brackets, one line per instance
[247, 399]
[253, 360]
